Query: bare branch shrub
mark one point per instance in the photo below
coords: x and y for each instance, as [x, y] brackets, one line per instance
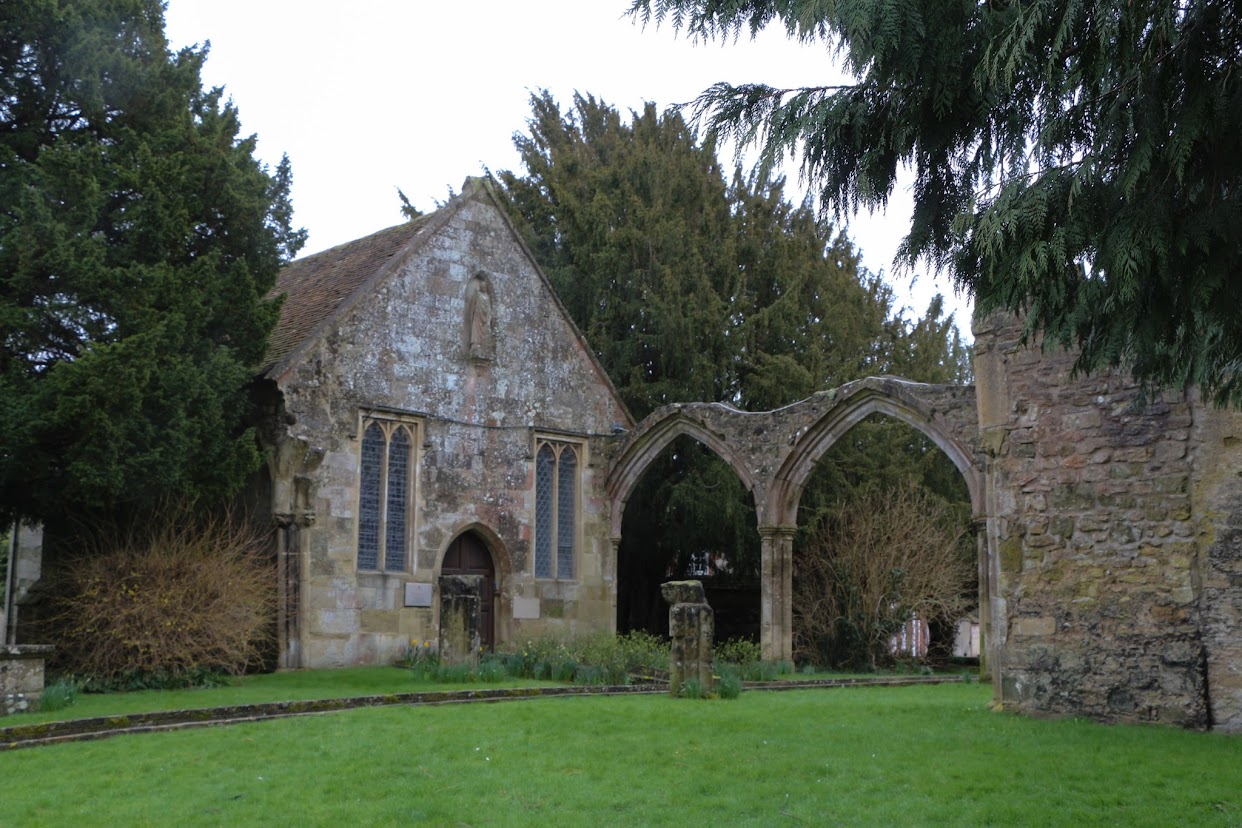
[188, 594]
[869, 566]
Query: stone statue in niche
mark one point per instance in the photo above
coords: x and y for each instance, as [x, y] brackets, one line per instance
[480, 339]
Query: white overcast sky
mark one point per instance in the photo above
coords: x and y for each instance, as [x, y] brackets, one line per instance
[370, 95]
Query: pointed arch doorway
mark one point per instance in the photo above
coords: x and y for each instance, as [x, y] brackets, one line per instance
[468, 555]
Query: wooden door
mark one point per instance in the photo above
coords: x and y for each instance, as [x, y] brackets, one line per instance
[468, 555]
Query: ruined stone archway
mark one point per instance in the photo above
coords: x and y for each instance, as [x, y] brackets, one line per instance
[774, 453]
[945, 414]
[679, 446]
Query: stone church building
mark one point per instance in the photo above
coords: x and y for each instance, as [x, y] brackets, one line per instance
[433, 410]
[430, 410]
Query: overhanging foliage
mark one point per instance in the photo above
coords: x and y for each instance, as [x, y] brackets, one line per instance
[138, 235]
[1076, 161]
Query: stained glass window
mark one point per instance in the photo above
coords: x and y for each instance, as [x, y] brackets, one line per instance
[398, 474]
[556, 509]
[385, 486]
[545, 477]
[566, 502]
[369, 497]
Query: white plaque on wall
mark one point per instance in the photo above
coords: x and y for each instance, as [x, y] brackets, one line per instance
[525, 608]
[417, 595]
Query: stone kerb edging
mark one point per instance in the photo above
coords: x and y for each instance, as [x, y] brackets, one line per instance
[79, 730]
[887, 681]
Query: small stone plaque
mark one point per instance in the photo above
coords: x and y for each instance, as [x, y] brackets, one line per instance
[417, 595]
[525, 608]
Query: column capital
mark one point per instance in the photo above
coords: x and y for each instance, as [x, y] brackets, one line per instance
[778, 530]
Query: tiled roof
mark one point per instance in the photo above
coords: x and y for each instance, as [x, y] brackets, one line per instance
[316, 286]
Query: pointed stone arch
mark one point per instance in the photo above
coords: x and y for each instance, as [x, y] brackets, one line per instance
[653, 435]
[901, 400]
[492, 540]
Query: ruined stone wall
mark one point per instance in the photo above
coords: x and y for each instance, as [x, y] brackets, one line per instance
[1217, 495]
[1113, 531]
[403, 350]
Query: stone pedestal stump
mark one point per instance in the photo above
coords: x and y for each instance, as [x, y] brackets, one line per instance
[691, 625]
[21, 677]
[460, 605]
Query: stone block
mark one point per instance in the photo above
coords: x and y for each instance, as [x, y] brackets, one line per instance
[1033, 627]
[380, 621]
[683, 592]
[21, 677]
[692, 628]
[460, 618]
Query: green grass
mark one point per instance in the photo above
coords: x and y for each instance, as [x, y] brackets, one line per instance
[931, 755]
[268, 687]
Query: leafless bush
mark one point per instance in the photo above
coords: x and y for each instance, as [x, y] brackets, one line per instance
[868, 567]
[187, 594]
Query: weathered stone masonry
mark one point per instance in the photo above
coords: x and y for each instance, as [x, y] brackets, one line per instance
[1114, 532]
[1111, 532]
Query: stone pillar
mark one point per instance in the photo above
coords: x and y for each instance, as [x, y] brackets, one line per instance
[460, 605]
[292, 463]
[979, 527]
[25, 568]
[691, 626]
[776, 610]
[996, 627]
[995, 412]
[6, 580]
[288, 586]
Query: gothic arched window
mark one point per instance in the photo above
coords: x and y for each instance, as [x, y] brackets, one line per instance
[385, 495]
[556, 509]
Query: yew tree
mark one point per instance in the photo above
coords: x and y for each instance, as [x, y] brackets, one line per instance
[694, 285]
[1076, 161]
[138, 235]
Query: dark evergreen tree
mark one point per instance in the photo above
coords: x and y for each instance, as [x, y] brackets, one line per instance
[691, 289]
[138, 235]
[631, 224]
[1077, 161]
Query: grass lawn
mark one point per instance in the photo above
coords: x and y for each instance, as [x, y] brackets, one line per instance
[931, 755]
[256, 689]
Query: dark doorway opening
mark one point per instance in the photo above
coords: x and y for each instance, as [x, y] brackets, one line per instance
[689, 516]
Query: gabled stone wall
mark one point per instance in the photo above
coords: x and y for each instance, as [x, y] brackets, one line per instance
[404, 350]
[1113, 530]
